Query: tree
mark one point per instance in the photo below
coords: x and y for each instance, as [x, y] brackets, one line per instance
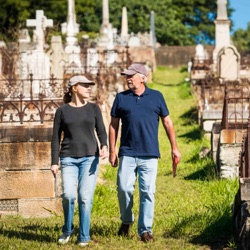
[241, 39]
[177, 22]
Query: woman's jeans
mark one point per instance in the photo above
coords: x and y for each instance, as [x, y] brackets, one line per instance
[78, 174]
[146, 169]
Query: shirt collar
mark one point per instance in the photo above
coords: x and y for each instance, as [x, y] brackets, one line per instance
[146, 92]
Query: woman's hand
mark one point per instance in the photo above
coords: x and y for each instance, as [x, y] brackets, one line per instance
[54, 169]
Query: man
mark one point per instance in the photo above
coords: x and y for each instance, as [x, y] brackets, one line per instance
[139, 109]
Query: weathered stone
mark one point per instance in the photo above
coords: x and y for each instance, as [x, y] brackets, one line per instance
[228, 163]
[25, 155]
[43, 207]
[245, 189]
[207, 125]
[227, 136]
[239, 135]
[26, 184]
[25, 133]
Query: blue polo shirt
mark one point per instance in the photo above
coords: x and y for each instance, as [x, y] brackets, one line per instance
[140, 122]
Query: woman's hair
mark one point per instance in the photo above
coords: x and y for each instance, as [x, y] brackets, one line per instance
[68, 96]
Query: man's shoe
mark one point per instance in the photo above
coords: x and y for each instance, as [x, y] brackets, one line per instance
[63, 239]
[124, 229]
[147, 237]
[83, 244]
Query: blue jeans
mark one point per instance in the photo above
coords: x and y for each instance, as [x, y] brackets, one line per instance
[146, 169]
[78, 174]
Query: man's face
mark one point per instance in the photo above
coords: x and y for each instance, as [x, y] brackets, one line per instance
[134, 81]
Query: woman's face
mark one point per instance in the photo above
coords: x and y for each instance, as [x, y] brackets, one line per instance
[83, 90]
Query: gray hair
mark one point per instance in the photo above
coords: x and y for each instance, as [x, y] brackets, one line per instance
[144, 77]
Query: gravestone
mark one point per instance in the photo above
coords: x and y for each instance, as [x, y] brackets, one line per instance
[222, 29]
[73, 62]
[40, 24]
[92, 60]
[58, 57]
[35, 61]
[134, 41]
[229, 63]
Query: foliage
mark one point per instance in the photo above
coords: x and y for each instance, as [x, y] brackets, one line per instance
[178, 22]
[241, 39]
[192, 211]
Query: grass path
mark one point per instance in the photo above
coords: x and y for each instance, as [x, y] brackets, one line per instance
[192, 211]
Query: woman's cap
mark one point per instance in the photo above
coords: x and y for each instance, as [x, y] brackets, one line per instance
[135, 68]
[79, 79]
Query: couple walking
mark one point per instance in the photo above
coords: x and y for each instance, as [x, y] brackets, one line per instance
[74, 144]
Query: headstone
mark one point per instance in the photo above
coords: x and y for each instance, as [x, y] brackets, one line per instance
[199, 53]
[24, 36]
[57, 57]
[229, 63]
[40, 23]
[36, 61]
[110, 57]
[71, 28]
[222, 29]
[106, 32]
[134, 41]
[92, 60]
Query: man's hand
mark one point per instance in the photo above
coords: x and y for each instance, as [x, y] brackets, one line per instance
[113, 159]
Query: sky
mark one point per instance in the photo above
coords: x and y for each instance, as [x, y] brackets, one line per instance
[241, 15]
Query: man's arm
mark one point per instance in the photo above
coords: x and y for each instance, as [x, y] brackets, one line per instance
[113, 133]
[169, 128]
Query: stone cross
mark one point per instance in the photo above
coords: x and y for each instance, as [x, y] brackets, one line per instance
[41, 23]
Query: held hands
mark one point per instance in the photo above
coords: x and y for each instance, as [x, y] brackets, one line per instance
[104, 152]
[113, 159]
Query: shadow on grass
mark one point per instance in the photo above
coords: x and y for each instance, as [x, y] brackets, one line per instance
[208, 172]
[31, 233]
[190, 117]
[216, 236]
[195, 134]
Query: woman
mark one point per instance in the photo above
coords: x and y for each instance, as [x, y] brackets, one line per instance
[79, 121]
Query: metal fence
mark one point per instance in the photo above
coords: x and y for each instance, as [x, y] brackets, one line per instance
[244, 160]
[35, 100]
[236, 105]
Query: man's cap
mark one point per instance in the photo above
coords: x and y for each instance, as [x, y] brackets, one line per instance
[135, 68]
[79, 79]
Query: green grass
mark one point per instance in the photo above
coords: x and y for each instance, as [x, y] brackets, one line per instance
[192, 211]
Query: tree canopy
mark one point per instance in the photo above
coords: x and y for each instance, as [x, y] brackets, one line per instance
[177, 22]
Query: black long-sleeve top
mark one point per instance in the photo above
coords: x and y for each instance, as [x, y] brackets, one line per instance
[79, 127]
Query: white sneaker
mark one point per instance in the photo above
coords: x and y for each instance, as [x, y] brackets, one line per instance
[63, 239]
[83, 244]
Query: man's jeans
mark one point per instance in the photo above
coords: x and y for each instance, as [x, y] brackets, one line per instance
[146, 169]
[78, 174]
